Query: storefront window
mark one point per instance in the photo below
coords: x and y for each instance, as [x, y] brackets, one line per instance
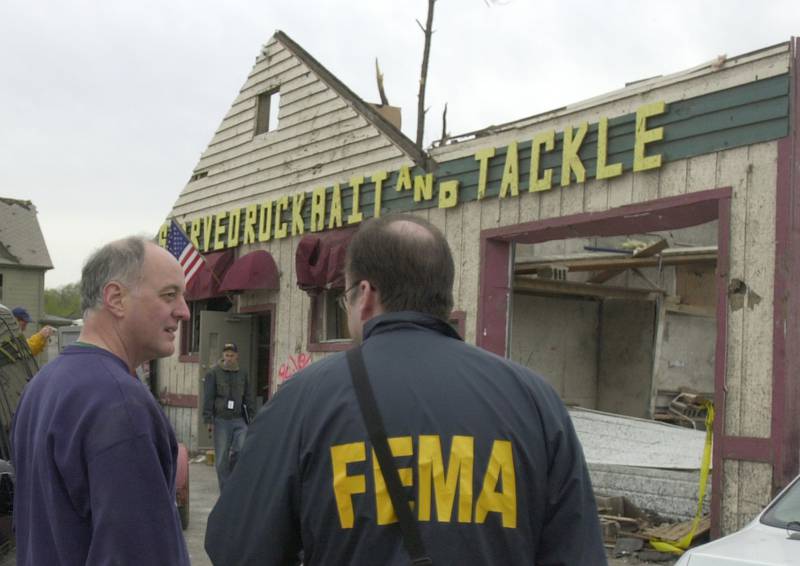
[334, 318]
[328, 323]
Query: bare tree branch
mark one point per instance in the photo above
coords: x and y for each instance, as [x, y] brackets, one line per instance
[424, 74]
[379, 77]
[444, 124]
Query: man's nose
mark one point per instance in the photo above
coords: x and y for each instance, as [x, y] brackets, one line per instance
[182, 312]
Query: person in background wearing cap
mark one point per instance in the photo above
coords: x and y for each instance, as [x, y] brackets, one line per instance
[226, 402]
[38, 341]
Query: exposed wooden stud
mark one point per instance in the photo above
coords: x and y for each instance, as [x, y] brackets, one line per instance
[620, 264]
[692, 310]
[548, 287]
[379, 78]
[649, 251]
[644, 278]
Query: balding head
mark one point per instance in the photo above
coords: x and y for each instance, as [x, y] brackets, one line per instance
[407, 260]
[406, 228]
[132, 296]
[120, 260]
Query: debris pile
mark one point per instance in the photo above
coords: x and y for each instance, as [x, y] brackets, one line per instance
[684, 408]
[628, 530]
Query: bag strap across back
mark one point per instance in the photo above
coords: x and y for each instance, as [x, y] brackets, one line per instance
[377, 437]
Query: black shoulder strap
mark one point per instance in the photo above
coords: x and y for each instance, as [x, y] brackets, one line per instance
[377, 436]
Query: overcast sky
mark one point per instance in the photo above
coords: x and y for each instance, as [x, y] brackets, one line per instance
[106, 105]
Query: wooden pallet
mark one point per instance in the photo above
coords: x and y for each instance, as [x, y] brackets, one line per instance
[677, 531]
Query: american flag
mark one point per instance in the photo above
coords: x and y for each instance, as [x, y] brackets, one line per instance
[180, 246]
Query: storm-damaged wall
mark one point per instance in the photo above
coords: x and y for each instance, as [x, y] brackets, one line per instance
[557, 338]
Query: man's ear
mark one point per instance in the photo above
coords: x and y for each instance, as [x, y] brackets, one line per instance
[370, 301]
[114, 298]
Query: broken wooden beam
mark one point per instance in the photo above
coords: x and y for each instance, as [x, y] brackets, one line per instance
[649, 251]
[683, 257]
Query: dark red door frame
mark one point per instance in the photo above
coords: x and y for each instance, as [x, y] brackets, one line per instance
[785, 449]
[682, 211]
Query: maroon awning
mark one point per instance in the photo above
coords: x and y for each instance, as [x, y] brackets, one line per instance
[205, 283]
[319, 260]
[256, 270]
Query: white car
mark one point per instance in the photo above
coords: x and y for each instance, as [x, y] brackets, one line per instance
[772, 539]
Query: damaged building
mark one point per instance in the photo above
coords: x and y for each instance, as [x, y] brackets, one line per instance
[636, 249]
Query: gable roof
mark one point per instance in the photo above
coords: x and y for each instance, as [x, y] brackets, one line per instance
[325, 134]
[406, 144]
[21, 240]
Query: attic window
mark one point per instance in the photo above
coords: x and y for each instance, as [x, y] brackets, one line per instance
[198, 175]
[267, 111]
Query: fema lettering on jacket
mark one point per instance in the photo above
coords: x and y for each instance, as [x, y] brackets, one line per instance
[436, 484]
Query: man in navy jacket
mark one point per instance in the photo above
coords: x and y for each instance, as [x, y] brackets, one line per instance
[484, 448]
[94, 454]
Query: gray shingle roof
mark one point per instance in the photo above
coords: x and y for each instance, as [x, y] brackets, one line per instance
[21, 240]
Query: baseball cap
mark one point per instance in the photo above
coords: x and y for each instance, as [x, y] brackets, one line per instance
[21, 314]
[230, 346]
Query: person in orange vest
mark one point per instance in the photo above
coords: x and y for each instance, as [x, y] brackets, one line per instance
[38, 341]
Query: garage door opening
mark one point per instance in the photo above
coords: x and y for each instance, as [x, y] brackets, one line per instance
[621, 324]
[621, 311]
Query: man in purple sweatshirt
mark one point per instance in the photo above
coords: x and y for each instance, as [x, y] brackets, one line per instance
[95, 456]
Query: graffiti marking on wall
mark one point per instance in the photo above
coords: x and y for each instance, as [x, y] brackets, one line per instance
[291, 367]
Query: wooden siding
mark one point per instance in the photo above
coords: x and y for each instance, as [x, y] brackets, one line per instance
[181, 378]
[745, 492]
[24, 287]
[744, 105]
[320, 138]
[740, 116]
[749, 169]
[741, 70]
[751, 172]
[694, 129]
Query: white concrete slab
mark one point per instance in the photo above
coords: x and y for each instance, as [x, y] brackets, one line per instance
[627, 441]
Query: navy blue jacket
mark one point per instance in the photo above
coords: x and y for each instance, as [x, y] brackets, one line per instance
[95, 459]
[486, 448]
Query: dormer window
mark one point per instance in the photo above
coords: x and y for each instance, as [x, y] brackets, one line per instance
[267, 111]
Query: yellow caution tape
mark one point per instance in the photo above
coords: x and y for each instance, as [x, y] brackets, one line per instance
[679, 546]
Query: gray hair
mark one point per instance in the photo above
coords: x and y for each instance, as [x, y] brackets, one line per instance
[120, 261]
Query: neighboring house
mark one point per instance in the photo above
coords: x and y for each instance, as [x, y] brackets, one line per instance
[627, 247]
[23, 259]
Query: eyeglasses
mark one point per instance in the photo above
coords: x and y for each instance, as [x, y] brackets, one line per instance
[342, 299]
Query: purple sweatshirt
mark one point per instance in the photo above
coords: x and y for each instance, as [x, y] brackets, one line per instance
[95, 460]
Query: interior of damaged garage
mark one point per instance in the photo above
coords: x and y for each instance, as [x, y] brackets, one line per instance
[624, 328]
[622, 324]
